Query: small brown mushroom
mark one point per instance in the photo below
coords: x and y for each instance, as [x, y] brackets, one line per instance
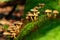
[41, 5]
[18, 23]
[6, 33]
[4, 21]
[34, 10]
[27, 17]
[55, 12]
[35, 16]
[30, 15]
[12, 31]
[38, 12]
[13, 35]
[48, 12]
[36, 7]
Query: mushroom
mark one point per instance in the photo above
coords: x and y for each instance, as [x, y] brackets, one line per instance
[55, 12]
[48, 12]
[35, 16]
[30, 15]
[18, 23]
[38, 12]
[34, 10]
[6, 33]
[13, 35]
[27, 17]
[41, 5]
[4, 21]
[36, 7]
[12, 31]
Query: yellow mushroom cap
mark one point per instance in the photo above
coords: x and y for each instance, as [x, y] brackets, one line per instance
[27, 17]
[3, 21]
[35, 14]
[12, 31]
[42, 4]
[38, 12]
[12, 26]
[18, 22]
[34, 10]
[6, 33]
[30, 14]
[55, 12]
[36, 7]
[48, 11]
[13, 34]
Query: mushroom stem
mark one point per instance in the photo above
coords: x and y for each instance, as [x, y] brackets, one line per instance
[14, 36]
[48, 14]
[55, 15]
[35, 18]
[31, 18]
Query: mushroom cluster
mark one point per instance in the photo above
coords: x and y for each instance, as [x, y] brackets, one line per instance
[33, 14]
[51, 13]
[13, 28]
